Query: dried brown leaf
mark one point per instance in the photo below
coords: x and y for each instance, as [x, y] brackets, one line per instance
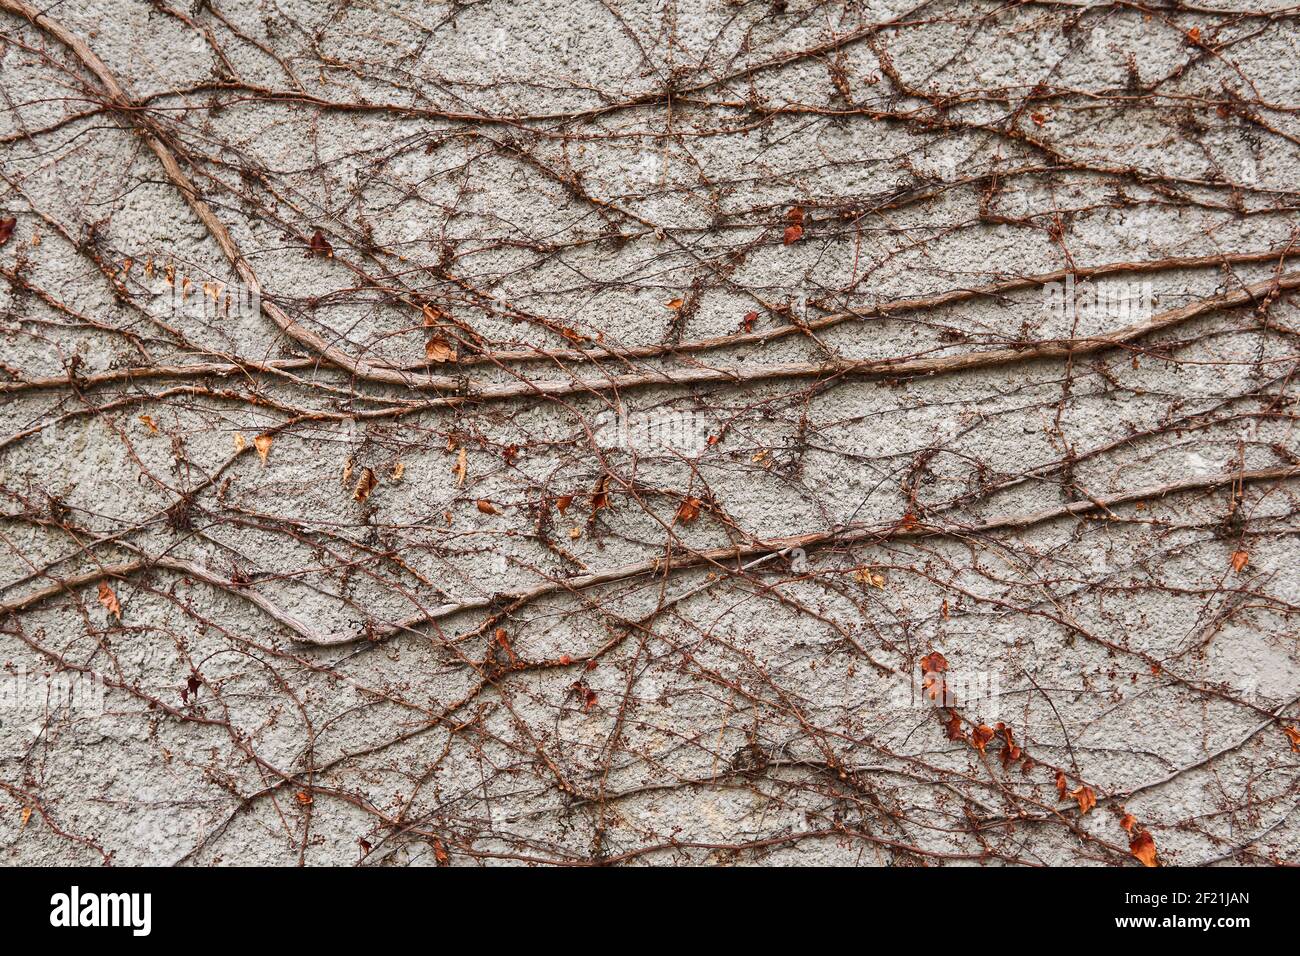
[365, 485]
[263, 445]
[109, 600]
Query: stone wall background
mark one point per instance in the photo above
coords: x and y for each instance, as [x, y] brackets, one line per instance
[571, 432]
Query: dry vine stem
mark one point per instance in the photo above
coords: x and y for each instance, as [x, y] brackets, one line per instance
[604, 432]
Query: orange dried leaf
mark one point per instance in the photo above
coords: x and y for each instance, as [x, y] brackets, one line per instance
[792, 235]
[1087, 798]
[934, 663]
[459, 468]
[263, 445]
[150, 424]
[1010, 750]
[303, 797]
[365, 485]
[563, 503]
[980, 736]
[504, 641]
[1128, 821]
[109, 600]
[1143, 846]
[674, 304]
[438, 350]
[689, 510]
[486, 507]
[953, 726]
[1239, 560]
[1293, 735]
[320, 246]
[600, 494]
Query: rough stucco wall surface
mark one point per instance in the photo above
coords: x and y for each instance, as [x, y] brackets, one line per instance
[649, 431]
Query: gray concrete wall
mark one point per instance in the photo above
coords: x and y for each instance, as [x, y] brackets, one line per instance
[628, 415]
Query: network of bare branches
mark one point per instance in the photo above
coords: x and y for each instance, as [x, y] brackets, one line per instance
[658, 431]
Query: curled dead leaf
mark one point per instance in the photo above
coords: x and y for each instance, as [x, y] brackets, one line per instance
[600, 494]
[459, 468]
[150, 424]
[438, 350]
[263, 445]
[7, 228]
[952, 726]
[689, 510]
[1010, 750]
[504, 640]
[365, 485]
[1293, 735]
[934, 663]
[303, 797]
[1143, 846]
[1239, 560]
[486, 507]
[109, 600]
[318, 245]
[1087, 798]
[980, 736]
[585, 693]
